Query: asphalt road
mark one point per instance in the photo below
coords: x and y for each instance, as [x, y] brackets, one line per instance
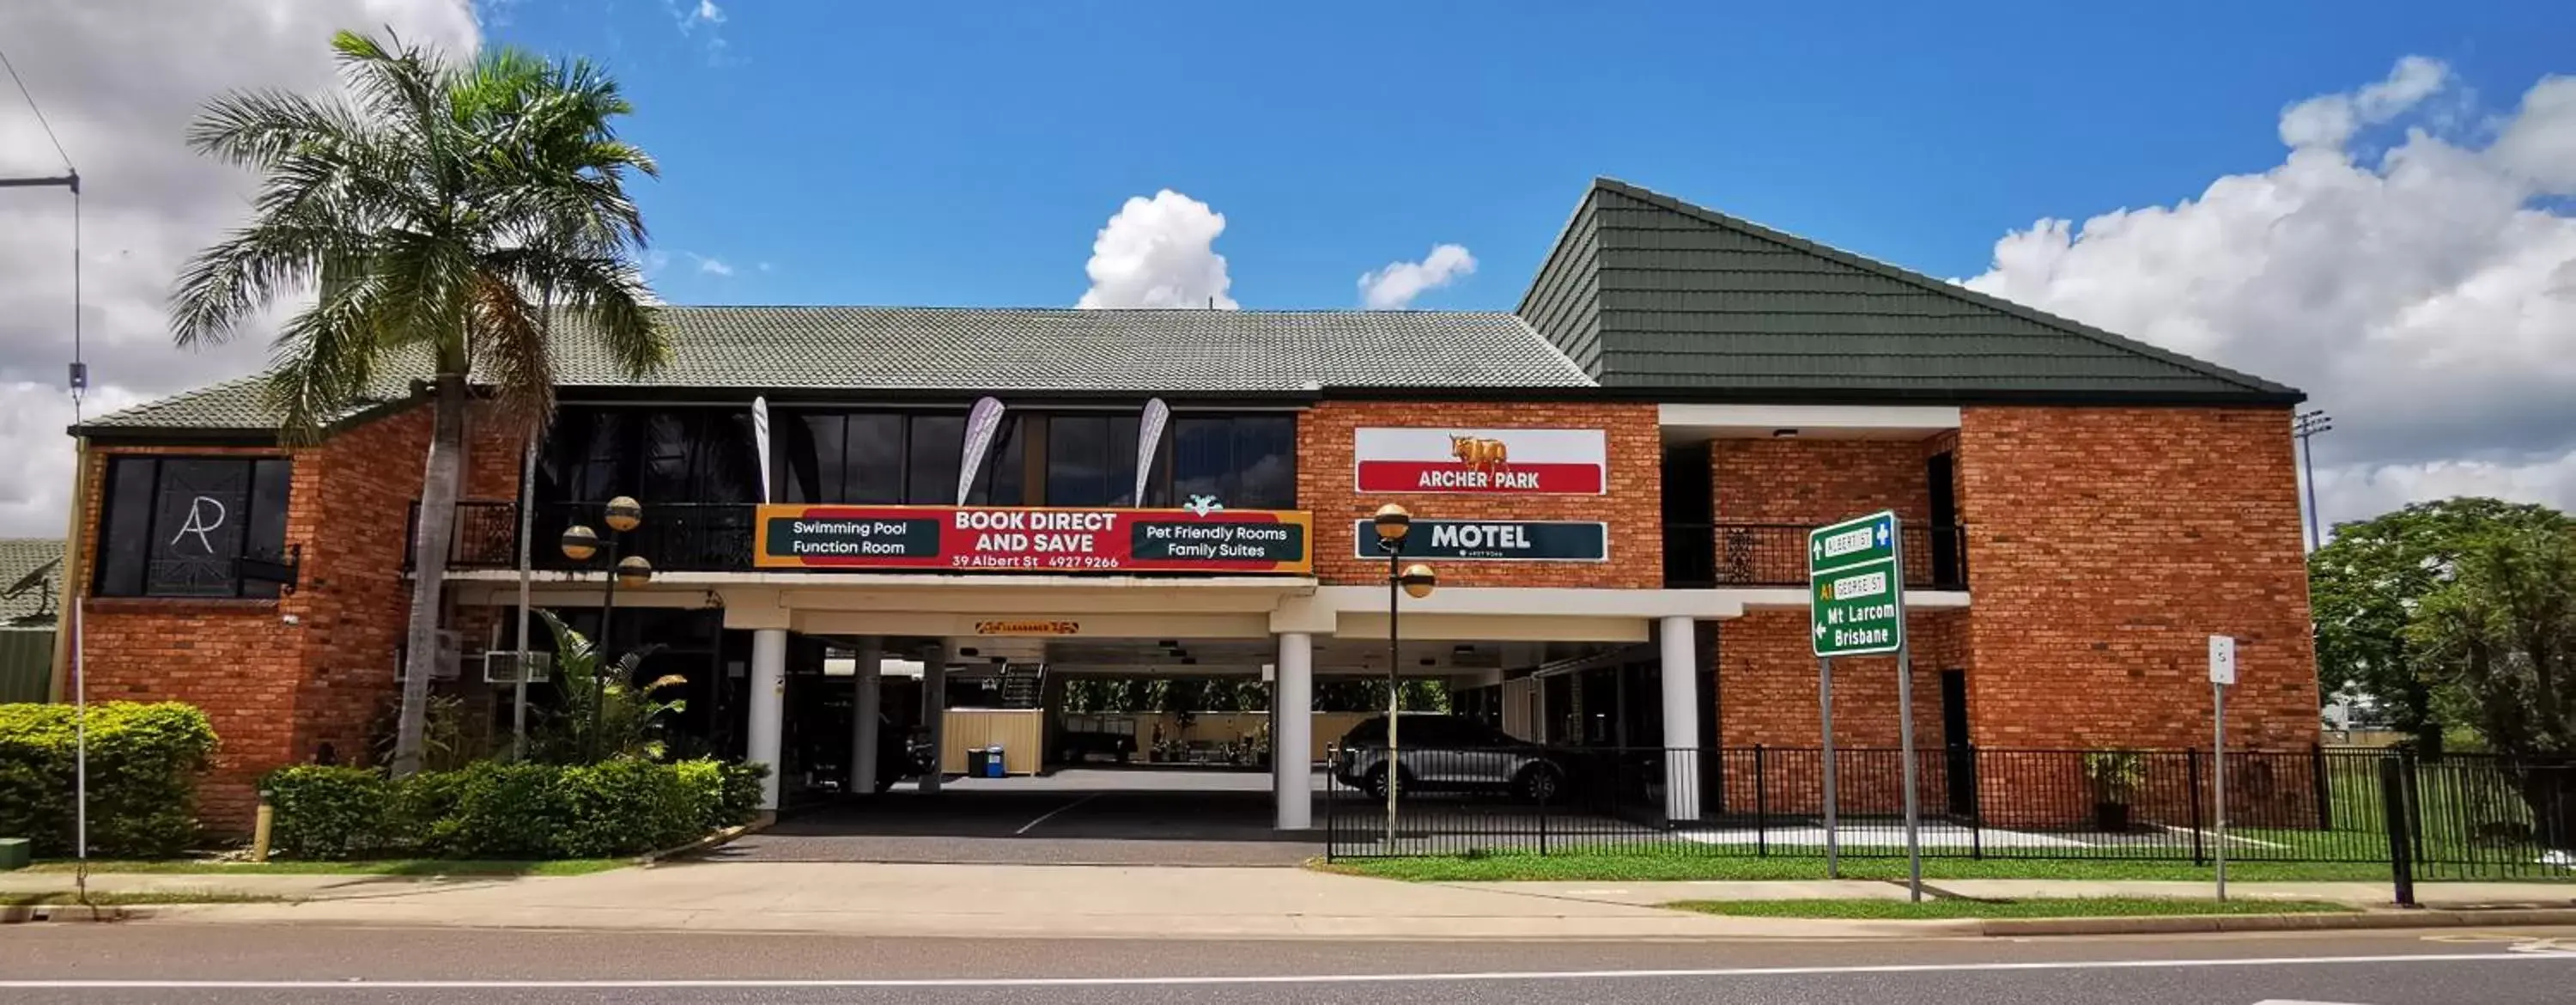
[134, 963]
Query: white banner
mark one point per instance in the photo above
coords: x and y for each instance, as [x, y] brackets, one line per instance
[760, 443]
[1149, 432]
[981, 424]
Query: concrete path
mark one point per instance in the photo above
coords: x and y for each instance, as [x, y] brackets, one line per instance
[988, 901]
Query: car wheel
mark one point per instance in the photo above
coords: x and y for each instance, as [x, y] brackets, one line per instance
[1539, 783]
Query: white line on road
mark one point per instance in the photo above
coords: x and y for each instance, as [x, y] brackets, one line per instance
[1083, 982]
[1050, 814]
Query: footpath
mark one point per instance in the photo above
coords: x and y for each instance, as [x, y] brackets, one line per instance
[1004, 901]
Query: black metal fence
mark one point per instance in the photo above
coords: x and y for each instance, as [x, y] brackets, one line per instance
[1758, 554]
[2462, 816]
[675, 537]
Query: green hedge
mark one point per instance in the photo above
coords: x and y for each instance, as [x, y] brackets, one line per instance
[493, 810]
[143, 766]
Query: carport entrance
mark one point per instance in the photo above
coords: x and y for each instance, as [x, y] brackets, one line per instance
[1094, 815]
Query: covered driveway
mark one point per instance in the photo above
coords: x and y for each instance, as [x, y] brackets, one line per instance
[1077, 816]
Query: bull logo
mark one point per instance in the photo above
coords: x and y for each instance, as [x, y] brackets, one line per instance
[1480, 454]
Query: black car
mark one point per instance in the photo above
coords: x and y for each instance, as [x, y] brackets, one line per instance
[1437, 752]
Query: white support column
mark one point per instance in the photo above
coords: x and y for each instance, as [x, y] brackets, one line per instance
[865, 708]
[934, 712]
[1292, 744]
[768, 706]
[1681, 718]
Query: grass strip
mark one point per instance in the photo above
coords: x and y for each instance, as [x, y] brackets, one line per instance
[376, 867]
[1863, 908]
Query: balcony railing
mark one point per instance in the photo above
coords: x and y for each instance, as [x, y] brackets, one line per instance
[1734, 555]
[675, 537]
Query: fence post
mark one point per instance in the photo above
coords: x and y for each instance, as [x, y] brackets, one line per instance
[2199, 849]
[2401, 828]
[1542, 820]
[1761, 806]
[1976, 806]
[2324, 790]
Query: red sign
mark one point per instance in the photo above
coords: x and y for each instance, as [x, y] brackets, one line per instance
[1010, 539]
[1483, 461]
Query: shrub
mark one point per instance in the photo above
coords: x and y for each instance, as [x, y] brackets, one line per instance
[144, 760]
[510, 811]
[331, 812]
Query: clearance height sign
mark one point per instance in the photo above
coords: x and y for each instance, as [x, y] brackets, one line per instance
[1003, 539]
[1483, 461]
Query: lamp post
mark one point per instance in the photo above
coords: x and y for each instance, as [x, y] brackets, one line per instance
[579, 544]
[1416, 580]
[2306, 425]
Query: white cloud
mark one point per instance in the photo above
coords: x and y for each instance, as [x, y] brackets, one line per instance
[2426, 296]
[1159, 252]
[1395, 286]
[712, 266]
[2329, 120]
[148, 203]
[708, 12]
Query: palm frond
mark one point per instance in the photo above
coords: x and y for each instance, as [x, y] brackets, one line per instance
[510, 344]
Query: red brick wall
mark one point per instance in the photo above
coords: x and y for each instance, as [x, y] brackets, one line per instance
[1633, 506]
[1766, 695]
[1812, 481]
[274, 691]
[2105, 545]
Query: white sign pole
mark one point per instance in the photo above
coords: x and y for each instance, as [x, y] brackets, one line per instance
[2222, 672]
[1905, 739]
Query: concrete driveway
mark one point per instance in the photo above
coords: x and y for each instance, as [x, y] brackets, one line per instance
[1077, 816]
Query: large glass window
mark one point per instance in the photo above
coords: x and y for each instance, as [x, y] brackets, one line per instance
[668, 455]
[1243, 461]
[1091, 460]
[179, 526]
[891, 457]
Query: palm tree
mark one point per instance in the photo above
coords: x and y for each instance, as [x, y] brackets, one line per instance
[424, 213]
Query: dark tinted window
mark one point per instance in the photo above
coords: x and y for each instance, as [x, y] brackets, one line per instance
[1091, 460]
[935, 444]
[179, 526]
[1370, 731]
[677, 455]
[1245, 461]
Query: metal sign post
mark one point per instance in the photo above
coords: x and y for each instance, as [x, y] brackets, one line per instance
[2222, 673]
[1825, 704]
[1856, 607]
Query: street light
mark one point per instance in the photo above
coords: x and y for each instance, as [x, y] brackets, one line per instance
[1416, 581]
[2306, 425]
[580, 543]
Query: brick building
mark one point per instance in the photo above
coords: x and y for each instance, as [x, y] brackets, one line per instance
[1614, 481]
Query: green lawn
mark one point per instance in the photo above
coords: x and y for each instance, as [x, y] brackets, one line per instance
[1693, 864]
[2071, 907]
[378, 867]
[108, 899]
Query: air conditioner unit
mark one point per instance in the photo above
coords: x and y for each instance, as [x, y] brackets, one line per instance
[501, 666]
[451, 656]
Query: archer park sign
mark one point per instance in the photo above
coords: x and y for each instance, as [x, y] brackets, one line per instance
[1856, 587]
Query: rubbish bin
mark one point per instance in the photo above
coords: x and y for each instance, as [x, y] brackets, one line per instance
[992, 762]
[978, 761]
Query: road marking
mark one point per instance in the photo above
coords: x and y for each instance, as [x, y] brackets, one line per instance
[1092, 982]
[1050, 814]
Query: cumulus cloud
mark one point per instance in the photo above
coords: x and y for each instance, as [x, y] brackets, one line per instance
[1395, 286]
[148, 202]
[1159, 252]
[2425, 295]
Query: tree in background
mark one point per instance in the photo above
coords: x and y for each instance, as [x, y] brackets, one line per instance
[2499, 638]
[2366, 586]
[430, 215]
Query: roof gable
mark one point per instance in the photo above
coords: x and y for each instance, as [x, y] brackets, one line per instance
[1645, 290]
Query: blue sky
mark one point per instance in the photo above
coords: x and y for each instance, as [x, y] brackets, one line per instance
[966, 153]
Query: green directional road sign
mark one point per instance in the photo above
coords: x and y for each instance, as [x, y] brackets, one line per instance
[1856, 587]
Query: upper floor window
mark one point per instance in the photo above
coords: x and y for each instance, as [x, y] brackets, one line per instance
[179, 526]
[657, 455]
[1244, 461]
[893, 457]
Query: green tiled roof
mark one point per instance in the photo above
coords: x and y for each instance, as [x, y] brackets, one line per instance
[1009, 349]
[20, 558]
[1647, 291]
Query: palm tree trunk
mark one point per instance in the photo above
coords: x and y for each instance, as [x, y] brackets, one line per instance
[430, 541]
